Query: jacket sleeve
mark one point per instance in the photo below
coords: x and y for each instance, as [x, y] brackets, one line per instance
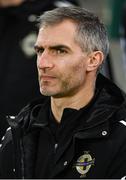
[6, 156]
[117, 168]
[3, 125]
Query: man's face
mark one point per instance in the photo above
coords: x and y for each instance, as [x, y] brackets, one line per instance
[60, 61]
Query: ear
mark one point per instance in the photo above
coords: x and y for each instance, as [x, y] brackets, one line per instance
[95, 60]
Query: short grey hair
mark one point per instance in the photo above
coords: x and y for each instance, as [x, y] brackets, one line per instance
[91, 32]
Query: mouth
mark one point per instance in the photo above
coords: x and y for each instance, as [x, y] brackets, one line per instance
[47, 77]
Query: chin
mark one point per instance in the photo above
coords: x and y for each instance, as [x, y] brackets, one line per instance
[46, 93]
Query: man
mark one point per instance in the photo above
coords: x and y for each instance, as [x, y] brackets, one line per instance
[79, 131]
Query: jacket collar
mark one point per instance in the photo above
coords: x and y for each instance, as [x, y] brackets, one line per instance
[108, 101]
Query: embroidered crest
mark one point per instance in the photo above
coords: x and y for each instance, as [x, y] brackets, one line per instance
[84, 163]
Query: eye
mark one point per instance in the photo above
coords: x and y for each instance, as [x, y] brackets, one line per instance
[39, 51]
[58, 51]
[61, 51]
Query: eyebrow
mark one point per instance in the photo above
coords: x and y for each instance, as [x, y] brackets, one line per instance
[37, 47]
[60, 46]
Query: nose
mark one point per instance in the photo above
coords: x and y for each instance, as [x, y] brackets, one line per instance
[44, 61]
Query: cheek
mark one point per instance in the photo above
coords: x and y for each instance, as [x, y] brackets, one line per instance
[79, 74]
[72, 69]
[74, 75]
[79, 68]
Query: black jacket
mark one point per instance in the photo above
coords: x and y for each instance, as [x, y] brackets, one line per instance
[89, 143]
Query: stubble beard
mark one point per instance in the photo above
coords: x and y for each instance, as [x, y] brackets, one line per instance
[62, 91]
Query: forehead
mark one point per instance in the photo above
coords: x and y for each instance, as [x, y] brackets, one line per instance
[63, 32]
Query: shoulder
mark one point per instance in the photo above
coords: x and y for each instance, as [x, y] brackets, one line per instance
[6, 139]
[122, 127]
[6, 155]
[23, 117]
[123, 123]
[118, 132]
[3, 125]
[19, 123]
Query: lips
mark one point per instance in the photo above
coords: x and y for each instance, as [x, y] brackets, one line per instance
[47, 77]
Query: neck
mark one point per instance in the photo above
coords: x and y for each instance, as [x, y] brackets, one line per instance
[77, 101]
